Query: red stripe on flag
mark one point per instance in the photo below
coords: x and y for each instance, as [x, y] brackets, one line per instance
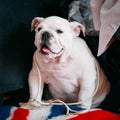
[20, 114]
[96, 115]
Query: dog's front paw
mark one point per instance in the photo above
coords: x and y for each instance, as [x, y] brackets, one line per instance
[30, 104]
[86, 105]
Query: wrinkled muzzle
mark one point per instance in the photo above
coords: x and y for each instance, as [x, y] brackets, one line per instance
[49, 44]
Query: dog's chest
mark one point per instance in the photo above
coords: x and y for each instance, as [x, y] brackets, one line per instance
[69, 72]
[62, 79]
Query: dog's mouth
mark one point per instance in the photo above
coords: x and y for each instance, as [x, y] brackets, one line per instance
[46, 50]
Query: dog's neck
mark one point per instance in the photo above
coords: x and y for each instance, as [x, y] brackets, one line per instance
[51, 60]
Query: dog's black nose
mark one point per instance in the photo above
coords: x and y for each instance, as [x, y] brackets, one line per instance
[46, 36]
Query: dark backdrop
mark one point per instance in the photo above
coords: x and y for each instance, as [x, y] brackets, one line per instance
[16, 40]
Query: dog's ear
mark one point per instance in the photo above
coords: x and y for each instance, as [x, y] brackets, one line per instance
[35, 22]
[77, 28]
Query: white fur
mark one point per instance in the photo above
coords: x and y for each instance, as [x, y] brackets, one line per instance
[71, 75]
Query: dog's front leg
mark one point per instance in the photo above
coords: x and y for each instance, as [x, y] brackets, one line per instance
[36, 89]
[87, 92]
[85, 97]
[35, 86]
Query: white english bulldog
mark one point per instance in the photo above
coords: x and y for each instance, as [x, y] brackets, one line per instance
[64, 62]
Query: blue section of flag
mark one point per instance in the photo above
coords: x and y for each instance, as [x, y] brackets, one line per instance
[5, 112]
[57, 110]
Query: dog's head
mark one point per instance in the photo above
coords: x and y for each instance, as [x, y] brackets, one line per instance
[54, 35]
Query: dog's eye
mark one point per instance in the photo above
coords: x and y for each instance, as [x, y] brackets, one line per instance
[39, 29]
[59, 31]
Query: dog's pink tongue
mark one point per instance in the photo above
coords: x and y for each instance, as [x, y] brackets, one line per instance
[46, 50]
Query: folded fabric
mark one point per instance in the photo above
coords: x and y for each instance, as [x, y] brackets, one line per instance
[80, 11]
[106, 18]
